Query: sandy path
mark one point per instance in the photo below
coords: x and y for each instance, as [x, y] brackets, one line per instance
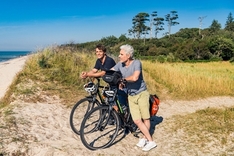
[46, 127]
[42, 129]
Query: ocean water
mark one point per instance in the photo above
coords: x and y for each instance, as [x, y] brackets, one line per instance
[7, 55]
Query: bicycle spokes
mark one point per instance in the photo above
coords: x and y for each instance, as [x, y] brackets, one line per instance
[96, 132]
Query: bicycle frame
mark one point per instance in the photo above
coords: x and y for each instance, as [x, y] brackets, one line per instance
[109, 96]
[113, 101]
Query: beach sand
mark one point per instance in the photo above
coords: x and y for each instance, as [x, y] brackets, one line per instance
[8, 70]
[42, 128]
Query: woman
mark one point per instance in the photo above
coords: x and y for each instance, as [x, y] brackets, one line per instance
[131, 71]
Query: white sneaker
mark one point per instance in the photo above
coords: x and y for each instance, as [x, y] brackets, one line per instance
[149, 146]
[142, 142]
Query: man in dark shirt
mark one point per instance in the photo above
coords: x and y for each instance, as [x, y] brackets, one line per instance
[103, 63]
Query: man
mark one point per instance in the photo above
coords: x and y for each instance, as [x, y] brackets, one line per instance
[103, 63]
[138, 98]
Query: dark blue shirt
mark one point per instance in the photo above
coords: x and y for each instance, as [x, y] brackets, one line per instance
[107, 65]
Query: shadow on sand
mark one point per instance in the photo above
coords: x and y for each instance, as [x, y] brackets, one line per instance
[154, 121]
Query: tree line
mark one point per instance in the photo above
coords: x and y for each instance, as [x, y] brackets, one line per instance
[140, 26]
[188, 44]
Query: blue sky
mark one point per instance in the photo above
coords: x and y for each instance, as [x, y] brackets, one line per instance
[33, 25]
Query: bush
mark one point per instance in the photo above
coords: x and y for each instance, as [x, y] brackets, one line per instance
[161, 58]
[232, 60]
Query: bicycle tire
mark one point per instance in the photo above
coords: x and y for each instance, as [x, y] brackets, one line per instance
[79, 110]
[95, 132]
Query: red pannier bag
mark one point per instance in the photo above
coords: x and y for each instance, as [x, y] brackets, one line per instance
[154, 104]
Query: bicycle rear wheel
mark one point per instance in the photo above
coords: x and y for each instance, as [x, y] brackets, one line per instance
[95, 131]
[78, 112]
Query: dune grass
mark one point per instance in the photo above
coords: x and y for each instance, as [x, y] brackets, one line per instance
[52, 71]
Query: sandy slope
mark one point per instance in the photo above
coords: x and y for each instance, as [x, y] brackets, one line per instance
[42, 129]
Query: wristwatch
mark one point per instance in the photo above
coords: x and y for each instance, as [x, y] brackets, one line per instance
[125, 81]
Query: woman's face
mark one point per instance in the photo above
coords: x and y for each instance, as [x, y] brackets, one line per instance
[99, 53]
[123, 57]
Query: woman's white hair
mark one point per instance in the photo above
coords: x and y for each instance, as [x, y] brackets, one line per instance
[128, 49]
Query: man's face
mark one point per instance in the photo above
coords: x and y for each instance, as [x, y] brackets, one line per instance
[99, 53]
[123, 57]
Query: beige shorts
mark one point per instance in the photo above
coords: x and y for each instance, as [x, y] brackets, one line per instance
[139, 105]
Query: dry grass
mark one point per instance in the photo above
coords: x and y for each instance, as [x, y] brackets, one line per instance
[192, 80]
[206, 126]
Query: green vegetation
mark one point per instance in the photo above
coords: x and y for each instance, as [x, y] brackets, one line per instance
[188, 44]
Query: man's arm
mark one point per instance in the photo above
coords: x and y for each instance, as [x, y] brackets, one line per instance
[92, 73]
[134, 77]
[95, 74]
[136, 74]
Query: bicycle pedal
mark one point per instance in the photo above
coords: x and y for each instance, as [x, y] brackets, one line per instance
[126, 131]
[135, 134]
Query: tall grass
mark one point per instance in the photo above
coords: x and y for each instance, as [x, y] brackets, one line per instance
[193, 80]
[62, 66]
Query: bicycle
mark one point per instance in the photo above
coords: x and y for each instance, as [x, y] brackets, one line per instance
[83, 106]
[95, 132]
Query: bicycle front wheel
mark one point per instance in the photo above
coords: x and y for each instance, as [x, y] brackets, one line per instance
[79, 110]
[96, 130]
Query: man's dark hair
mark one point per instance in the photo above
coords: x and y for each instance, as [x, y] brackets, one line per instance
[101, 47]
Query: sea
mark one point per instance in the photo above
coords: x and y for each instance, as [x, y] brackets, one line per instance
[7, 55]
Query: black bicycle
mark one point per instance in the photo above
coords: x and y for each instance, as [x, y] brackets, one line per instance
[96, 131]
[83, 106]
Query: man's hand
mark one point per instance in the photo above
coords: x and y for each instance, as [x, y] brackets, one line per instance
[83, 75]
[122, 84]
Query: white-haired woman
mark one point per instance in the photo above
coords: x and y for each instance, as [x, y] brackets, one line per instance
[131, 71]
